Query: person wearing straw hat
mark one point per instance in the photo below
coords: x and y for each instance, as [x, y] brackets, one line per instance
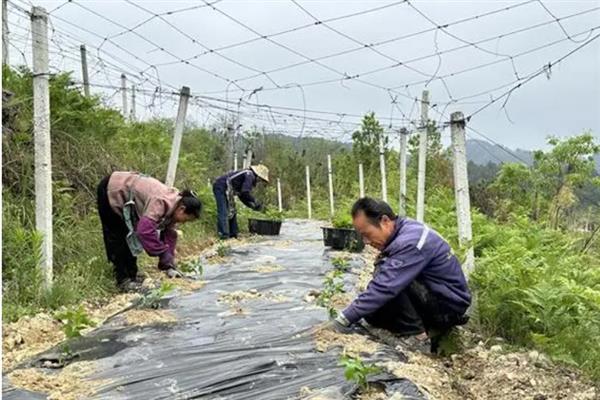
[227, 187]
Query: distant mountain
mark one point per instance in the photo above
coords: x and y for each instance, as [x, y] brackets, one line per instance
[482, 152]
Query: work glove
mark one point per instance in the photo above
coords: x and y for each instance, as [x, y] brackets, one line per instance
[173, 273]
[339, 324]
[166, 260]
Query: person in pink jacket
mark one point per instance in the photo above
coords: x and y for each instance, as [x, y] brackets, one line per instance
[139, 213]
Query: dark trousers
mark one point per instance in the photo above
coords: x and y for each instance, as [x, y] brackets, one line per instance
[115, 232]
[227, 227]
[416, 310]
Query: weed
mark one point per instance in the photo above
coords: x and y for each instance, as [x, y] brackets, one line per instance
[357, 371]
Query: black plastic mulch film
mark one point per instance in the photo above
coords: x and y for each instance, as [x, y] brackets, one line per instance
[268, 352]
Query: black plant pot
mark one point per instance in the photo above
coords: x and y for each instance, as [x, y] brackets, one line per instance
[342, 239]
[327, 234]
[264, 226]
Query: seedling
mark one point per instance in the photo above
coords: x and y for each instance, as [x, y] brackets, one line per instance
[194, 267]
[152, 299]
[332, 312]
[342, 221]
[271, 215]
[74, 321]
[332, 285]
[341, 264]
[357, 371]
[223, 249]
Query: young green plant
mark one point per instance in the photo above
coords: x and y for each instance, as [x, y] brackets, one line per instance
[357, 371]
[342, 221]
[269, 214]
[332, 285]
[74, 321]
[194, 267]
[153, 298]
[341, 264]
[223, 250]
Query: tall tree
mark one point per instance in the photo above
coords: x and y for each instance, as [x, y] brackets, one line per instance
[365, 141]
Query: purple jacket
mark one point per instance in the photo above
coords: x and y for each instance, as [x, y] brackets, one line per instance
[242, 183]
[413, 251]
[147, 232]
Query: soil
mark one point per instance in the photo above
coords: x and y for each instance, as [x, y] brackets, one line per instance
[480, 373]
[268, 268]
[144, 317]
[186, 285]
[28, 336]
[69, 383]
[278, 243]
[31, 335]
[371, 393]
[239, 296]
[340, 301]
[353, 345]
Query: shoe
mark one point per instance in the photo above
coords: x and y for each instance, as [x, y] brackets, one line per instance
[140, 277]
[127, 285]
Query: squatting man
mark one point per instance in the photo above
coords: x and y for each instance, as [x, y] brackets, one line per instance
[418, 286]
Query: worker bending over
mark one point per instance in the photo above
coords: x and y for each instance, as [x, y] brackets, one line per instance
[240, 184]
[140, 213]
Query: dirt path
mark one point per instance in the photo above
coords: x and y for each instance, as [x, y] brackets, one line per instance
[248, 332]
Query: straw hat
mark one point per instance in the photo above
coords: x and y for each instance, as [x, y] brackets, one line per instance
[261, 171]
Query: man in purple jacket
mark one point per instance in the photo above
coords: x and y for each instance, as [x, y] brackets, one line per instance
[418, 284]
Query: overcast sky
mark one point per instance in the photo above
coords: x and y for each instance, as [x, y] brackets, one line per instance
[564, 101]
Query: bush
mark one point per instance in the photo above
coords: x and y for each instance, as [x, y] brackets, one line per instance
[535, 288]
